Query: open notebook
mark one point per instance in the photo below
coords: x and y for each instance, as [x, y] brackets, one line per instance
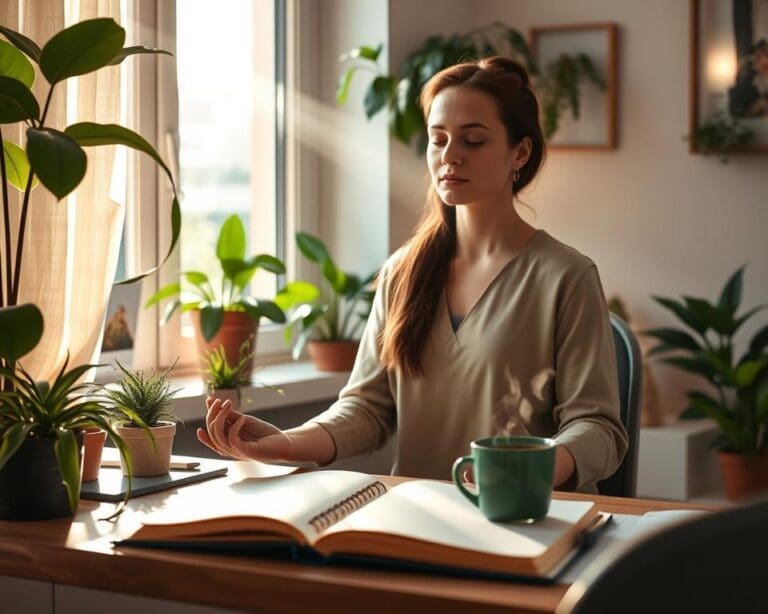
[343, 516]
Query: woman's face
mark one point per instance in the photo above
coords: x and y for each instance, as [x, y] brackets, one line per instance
[469, 157]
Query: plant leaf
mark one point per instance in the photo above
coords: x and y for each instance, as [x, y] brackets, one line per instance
[378, 95]
[709, 315]
[297, 292]
[673, 338]
[66, 450]
[14, 64]
[17, 103]
[170, 308]
[22, 43]
[342, 90]
[231, 243]
[271, 311]
[336, 277]
[17, 166]
[730, 297]
[762, 402]
[759, 341]
[269, 263]
[21, 328]
[682, 313]
[163, 293]
[11, 440]
[312, 247]
[82, 48]
[56, 159]
[136, 49]
[211, 318]
[90, 134]
[746, 372]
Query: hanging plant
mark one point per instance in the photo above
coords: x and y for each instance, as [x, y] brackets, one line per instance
[558, 87]
[719, 135]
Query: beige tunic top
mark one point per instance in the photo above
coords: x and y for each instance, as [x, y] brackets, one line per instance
[534, 355]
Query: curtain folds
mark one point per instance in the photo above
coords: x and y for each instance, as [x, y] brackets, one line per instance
[71, 246]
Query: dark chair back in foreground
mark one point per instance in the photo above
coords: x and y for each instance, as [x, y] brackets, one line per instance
[629, 362]
[714, 562]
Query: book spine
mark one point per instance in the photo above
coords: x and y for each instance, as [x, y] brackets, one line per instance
[343, 508]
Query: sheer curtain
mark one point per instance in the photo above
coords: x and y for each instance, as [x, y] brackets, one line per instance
[71, 247]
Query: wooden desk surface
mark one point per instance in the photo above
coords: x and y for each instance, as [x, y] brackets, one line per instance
[78, 552]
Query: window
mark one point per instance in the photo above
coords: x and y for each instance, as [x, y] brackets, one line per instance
[215, 110]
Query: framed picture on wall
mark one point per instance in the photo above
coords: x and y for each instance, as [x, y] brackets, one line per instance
[119, 335]
[593, 45]
[729, 68]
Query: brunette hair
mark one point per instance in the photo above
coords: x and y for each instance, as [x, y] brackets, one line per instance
[418, 277]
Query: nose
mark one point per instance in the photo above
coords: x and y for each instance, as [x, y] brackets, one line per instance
[450, 155]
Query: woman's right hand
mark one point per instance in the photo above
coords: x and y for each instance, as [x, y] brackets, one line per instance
[242, 437]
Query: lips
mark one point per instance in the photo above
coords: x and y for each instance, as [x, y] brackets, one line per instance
[452, 179]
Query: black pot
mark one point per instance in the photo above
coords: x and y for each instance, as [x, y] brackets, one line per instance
[31, 487]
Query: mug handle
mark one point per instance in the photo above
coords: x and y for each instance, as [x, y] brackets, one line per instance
[457, 468]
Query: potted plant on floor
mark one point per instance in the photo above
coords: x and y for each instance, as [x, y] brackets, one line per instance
[140, 407]
[335, 313]
[225, 381]
[738, 394]
[41, 426]
[230, 316]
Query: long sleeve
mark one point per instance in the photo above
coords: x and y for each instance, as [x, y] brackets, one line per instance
[364, 416]
[586, 409]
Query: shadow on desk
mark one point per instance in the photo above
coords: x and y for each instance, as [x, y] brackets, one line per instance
[713, 563]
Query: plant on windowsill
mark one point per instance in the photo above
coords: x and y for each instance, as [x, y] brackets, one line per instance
[140, 406]
[558, 86]
[225, 380]
[720, 135]
[740, 400]
[334, 313]
[231, 316]
[41, 427]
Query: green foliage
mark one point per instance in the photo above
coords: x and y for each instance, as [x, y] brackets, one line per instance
[719, 134]
[221, 375]
[141, 400]
[558, 87]
[55, 410]
[706, 349]
[337, 311]
[22, 329]
[237, 272]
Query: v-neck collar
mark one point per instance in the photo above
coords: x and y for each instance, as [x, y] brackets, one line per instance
[448, 316]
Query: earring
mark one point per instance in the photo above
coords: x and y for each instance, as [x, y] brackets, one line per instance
[515, 175]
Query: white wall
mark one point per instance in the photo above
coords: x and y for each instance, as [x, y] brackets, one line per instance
[654, 218]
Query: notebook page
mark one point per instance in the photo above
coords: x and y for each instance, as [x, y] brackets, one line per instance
[438, 512]
[293, 499]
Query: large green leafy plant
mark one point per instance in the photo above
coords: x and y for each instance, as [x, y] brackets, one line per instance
[50, 156]
[558, 85]
[237, 272]
[705, 347]
[335, 311]
[54, 410]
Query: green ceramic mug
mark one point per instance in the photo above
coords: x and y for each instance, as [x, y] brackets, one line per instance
[513, 477]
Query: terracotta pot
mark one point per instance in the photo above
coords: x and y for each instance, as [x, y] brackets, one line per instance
[146, 461]
[93, 446]
[743, 476]
[333, 355]
[227, 394]
[236, 327]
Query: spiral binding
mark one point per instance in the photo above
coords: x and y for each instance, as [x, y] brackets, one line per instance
[345, 507]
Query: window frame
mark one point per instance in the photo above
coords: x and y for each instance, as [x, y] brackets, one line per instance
[154, 114]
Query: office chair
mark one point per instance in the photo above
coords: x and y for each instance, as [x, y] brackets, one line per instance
[711, 563]
[630, 367]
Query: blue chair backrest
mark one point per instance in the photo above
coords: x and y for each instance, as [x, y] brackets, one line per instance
[629, 362]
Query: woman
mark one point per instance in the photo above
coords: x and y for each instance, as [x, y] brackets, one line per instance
[481, 325]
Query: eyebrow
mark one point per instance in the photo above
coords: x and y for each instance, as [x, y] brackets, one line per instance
[464, 127]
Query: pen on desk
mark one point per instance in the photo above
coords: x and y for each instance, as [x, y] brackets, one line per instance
[175, 465]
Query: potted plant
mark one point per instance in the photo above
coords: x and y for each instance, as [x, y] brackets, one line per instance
[230, 316]
[225, 380]
[55, 156]
[334, 313]
[720, 135]
[140, 407]
[558, 85]
[738, 393]
[41, 426]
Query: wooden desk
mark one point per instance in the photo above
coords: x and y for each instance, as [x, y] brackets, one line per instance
[79, 553]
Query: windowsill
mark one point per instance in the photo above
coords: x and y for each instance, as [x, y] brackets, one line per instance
[299, 381]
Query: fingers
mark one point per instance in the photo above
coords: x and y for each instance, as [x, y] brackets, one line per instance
[218, 420]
